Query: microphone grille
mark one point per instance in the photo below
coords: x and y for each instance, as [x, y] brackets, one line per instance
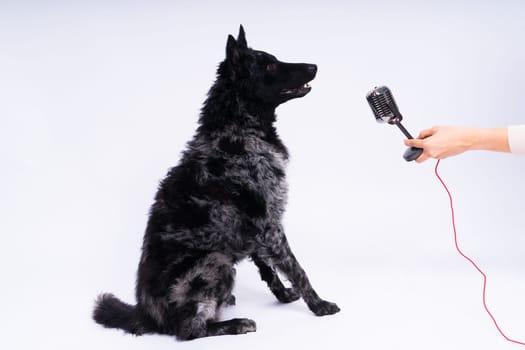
[383, 105]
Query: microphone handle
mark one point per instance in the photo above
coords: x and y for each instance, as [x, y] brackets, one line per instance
[412, 153]
[403, 130]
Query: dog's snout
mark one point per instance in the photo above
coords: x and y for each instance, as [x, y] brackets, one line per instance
[312, 69]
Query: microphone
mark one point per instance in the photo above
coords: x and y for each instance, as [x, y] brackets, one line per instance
[385, 110]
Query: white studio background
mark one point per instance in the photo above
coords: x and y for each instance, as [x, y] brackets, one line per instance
[98, 98]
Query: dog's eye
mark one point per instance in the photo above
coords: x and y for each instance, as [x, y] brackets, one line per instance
[270, 67]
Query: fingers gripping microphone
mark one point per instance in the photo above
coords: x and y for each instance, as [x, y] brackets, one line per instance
[385, 110]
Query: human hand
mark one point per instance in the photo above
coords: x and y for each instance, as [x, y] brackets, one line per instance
[441, 142]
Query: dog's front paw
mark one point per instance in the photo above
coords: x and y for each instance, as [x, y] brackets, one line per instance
[230, 300]
[287, 295]
[323, 307]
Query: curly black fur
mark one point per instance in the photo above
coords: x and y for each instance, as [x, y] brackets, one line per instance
[222, 203]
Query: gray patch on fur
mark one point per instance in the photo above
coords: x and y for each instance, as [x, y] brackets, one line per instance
[206, 270]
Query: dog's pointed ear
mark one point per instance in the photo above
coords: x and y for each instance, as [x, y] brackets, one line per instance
[232, 50]
[241, 38]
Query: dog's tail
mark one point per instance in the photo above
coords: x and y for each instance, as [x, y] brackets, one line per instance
[112, 313]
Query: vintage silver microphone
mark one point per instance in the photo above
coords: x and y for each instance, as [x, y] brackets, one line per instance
[385, 110]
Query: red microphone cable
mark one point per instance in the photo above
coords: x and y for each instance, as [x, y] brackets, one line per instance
[472, 261]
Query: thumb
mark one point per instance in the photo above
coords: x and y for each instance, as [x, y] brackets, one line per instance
[414, 143]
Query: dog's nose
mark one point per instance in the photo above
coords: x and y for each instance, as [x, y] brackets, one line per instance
[312, 69]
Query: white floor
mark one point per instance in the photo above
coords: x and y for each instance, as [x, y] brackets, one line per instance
[399, 304]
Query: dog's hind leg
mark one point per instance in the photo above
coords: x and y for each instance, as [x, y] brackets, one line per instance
[196, 297]
[233, 326]
[197, 320]
[269, 275]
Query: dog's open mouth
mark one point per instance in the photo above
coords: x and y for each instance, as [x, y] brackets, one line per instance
[297, 92]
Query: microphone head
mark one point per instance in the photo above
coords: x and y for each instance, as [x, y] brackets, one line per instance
[383, 105]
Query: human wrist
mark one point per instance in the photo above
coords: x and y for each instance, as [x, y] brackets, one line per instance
[475, 138]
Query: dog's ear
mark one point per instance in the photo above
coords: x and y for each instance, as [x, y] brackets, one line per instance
[241, 38]
[232, 50]
[233, 57]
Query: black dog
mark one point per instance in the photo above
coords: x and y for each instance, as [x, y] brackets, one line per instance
[221, 204]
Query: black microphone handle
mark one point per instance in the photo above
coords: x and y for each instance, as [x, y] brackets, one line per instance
[403, 130]
[411, 153]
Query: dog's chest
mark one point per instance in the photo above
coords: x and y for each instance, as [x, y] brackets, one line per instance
[267, 167]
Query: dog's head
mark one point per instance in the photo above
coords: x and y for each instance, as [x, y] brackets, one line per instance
[262, 78]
